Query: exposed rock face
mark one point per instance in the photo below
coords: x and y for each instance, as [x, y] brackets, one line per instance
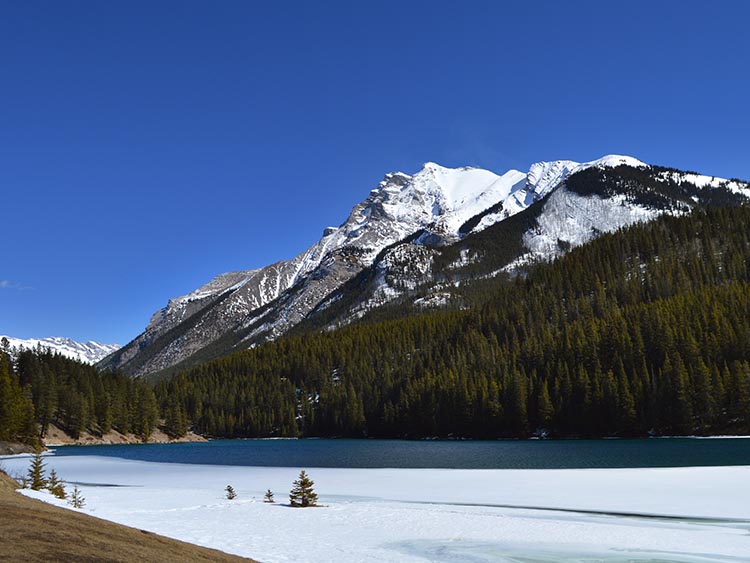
[14, 448]
[393, 236]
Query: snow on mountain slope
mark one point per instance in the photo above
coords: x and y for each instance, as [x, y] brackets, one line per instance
[545, 176]
[562, 219]
[437, 205]
[569, 220]
[703, 181]
[89, 352]
[542, 178]
[437, 198]
[459, 194]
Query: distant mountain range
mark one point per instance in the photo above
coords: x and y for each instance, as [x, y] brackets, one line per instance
[88, 352]
[414, 242]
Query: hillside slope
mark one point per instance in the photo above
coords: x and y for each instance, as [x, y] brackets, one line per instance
[642, 331]
[35, 532]
[416, 237]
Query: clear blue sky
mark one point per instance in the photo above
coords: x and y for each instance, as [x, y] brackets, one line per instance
[146, 146]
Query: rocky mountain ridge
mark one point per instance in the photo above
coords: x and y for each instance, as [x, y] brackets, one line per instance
[388, 248]
[88, 352]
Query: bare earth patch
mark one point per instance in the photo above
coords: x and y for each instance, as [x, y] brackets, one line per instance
[57, 437]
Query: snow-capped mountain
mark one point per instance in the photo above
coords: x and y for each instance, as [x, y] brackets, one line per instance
[394, 235]
[89, 352]
[566, 213]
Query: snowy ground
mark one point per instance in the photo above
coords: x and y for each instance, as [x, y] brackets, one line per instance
[418, 515]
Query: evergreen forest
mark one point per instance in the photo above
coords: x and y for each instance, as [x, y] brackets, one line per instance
[39, 388]
[641, 332]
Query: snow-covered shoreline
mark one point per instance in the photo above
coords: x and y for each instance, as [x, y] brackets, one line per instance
[426, 514]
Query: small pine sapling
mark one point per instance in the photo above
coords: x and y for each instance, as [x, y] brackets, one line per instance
[268, 497]
[35, 476]
[302, 494]
[230, 492]
[76, 498]
[55, 485]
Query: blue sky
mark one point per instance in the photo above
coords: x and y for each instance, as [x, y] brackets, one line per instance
[146, 146]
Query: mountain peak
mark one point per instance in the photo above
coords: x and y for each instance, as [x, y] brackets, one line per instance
[612, 160]
[432, 208]
[87, 352]
[434, 167]
[429, 165]
[545, 176]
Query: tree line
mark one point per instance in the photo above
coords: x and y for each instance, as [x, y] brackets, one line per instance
[643, 331]
[39, 388]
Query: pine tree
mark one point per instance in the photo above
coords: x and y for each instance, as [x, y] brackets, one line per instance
[633, 333]
[146, 412]
[35, 476]
[176, 422]
[302, 494]
[76, 498]
[546, 409]
[268, 497]
[231, 495]
[16, 409]
[55, 485]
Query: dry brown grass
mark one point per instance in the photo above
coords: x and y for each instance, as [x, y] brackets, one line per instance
[56, 436]
[34, 532]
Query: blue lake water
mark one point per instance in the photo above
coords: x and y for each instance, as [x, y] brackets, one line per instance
[520, 454]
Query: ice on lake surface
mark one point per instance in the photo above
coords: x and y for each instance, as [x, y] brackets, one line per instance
[665, 515]
[486, 552]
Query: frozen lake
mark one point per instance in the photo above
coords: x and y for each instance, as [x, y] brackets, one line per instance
[633, 515]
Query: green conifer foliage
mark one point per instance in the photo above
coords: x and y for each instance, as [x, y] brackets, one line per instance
[43, 388]
[175, 420]
[35, 477]
[16, 409]
[546, 409]
[76, 498]
[268, 496]
[643, 331]
[55, 485]
[302, 494]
